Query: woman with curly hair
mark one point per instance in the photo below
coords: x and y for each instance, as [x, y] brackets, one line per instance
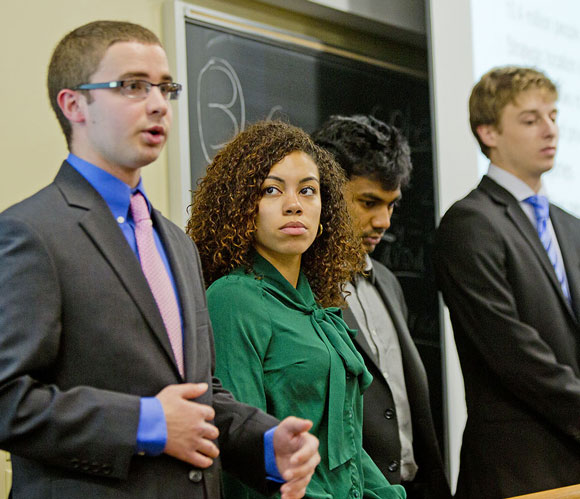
[276, 246]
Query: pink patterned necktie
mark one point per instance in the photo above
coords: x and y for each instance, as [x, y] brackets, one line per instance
[156, 275]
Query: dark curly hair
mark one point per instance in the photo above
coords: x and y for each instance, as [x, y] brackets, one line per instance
[225, 205]
[366, 147]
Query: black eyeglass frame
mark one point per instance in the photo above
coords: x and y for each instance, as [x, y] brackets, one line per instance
[171, 94]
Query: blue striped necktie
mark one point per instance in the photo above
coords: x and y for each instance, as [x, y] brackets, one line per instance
[542, 212]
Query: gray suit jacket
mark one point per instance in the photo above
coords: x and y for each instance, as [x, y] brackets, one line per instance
[518, 341]
[380, 427]
[81, 340]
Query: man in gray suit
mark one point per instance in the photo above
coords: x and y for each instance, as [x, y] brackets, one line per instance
[508, 264]
[398, 430]
[106, 349]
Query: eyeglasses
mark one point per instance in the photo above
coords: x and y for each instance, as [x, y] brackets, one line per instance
[137, 89]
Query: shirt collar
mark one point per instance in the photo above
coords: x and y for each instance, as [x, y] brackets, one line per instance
[368, 272]
[116, 193]
[515, 186]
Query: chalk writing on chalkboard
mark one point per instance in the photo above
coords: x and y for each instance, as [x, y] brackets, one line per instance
[234, 107]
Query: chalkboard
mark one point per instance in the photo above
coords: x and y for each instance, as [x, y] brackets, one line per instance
[236, 78]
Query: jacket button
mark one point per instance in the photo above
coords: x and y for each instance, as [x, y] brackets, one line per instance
[389, 414]
[394, 466]
[195, 476]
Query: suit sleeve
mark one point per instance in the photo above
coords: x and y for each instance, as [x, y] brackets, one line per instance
[67, 428]
[473, 274]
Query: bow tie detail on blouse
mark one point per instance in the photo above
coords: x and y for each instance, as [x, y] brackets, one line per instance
[346, 363]
[330, 326]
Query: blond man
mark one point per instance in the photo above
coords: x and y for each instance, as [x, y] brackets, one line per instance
[507, 262]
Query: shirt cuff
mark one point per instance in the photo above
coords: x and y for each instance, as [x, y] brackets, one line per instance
[152, 430]
[272, 472]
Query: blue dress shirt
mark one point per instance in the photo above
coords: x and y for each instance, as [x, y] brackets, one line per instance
[152, 430]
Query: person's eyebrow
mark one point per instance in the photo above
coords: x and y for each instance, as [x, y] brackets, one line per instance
[142, 75]
[282, 181]
[273, 177]
[370, 195]
[309, 179]
[537, 111]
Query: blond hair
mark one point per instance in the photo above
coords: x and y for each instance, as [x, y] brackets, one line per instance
[500, 87]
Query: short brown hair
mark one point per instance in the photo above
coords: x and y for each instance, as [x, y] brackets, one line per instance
[78, 55]
[499, 87]
[225, 205]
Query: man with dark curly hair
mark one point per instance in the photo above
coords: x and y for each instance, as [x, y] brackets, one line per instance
[398, 427]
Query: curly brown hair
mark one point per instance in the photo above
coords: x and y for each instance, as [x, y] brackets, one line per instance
[225, 205]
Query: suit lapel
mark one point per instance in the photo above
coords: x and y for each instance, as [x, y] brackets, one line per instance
[526, 229]
[394, 311]
[360, 339]
[178, 263]
[105, 234]
[410, 356]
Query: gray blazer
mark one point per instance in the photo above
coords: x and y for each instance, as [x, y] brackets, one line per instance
[518, 341]
[81, 340]
[380, 427]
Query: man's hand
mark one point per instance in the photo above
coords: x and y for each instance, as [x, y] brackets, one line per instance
[297, 455]
[189, 435]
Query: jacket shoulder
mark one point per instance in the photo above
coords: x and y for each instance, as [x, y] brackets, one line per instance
[384, 274]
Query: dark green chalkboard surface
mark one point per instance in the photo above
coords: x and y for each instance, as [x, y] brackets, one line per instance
[238, 77]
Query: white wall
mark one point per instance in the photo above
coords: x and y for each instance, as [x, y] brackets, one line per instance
[449, 39]
[547, 36]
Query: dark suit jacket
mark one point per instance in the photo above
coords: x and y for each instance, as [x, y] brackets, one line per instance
[380, 427]
[518, 343]
[81, 340]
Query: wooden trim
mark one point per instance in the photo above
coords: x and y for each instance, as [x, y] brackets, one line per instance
[5, 474]
[572, 492]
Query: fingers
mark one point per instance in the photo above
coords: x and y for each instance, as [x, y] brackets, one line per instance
[306, 453]
[210, 432]
[295, 489]
[203, 456]
[190, 433]
[178, 397]
[295, 425]
[304, 461]
[297, 456]
[190, 390]
[199, 460]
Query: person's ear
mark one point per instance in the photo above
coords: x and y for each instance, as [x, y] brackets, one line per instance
[488, 135]
[72, 104]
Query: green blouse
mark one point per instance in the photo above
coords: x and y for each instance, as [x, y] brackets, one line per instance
[278, 350]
